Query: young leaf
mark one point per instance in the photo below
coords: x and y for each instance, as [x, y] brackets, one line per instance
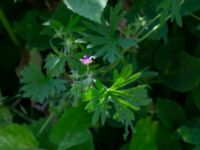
[125, 99]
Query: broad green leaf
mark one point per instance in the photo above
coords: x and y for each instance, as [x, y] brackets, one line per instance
[91, 9]
[37, 86]
[196, 96]
[170, 119]
[190, 131]
[171, 50]
[88, 145]
[186, 76]
[190, 106]
[74, 119]
[35, 127]
[144, 137]
[179, 70]
[166, 140]
[15, 136]
[124, 147]
[75, 138]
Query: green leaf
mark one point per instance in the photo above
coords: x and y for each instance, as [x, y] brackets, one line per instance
[29, 29]
[196, 96]
[89, 9]
[186, 76]
[124, 115]
[190, 131]
[125, 77]
[180, 70]
[198, 27]
[75, 138]
[55, 64]
[105, 39]
[87, 146]
[189, 7]
[37, 86]
[5, 115]
[2, 98]
[145, 135]
[196, 148]
[126, 99]
[161, 33]
[166, 140]
[175, 11]
[74, 119]
[16, 136]
[170, 119]
[173, 8]
[121, 81]
[35, 126]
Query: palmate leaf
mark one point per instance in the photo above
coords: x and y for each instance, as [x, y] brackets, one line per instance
[173, 8]
[37, 86]
[121, 97]
[104, 38]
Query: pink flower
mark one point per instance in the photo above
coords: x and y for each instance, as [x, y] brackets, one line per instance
[86, 60]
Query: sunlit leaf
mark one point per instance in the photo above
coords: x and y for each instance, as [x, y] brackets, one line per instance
[89, 9]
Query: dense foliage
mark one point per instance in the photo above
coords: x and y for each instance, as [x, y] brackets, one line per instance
[100, 74]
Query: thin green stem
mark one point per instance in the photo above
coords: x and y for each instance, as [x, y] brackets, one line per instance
[88, 69]
[150, 22]
[8, 28]
[45, 124]
[195, 16]
[151, 31]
